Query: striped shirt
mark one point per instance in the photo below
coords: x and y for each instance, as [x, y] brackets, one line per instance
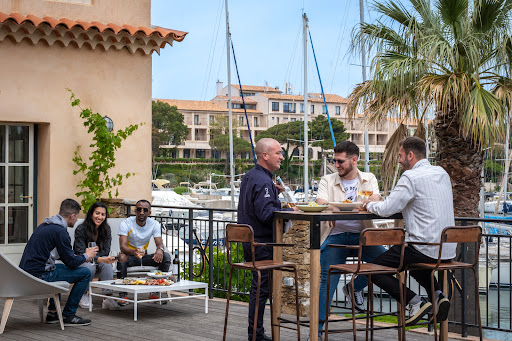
[424, 196]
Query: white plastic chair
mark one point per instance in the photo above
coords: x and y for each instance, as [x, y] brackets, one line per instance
[17, 283]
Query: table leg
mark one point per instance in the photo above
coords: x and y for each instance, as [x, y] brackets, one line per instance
[314, 282]
[206, 300]
[277, 279]
[90, 298]
[135, 298]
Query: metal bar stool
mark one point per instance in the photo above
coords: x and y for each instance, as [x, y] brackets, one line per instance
[242, 233]
[369, 237]
[452, 234]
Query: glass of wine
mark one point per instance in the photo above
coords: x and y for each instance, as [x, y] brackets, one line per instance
[92, 244]
[140, 253]
[364, 195]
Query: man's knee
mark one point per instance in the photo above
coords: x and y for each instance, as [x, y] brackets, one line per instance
[85, 273]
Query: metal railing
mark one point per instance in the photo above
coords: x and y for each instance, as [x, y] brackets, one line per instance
[202, 251]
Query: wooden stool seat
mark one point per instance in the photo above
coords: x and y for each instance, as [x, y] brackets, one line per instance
[263, 265]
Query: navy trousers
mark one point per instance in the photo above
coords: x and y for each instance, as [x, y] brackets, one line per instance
[260, 253]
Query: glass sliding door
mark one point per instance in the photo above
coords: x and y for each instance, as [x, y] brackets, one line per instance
[16, 183]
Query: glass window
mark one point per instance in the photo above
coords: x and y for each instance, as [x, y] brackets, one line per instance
[256, 122]
[302, 107]
[275, 106]
[293, 119]
[18, 144]
[278, 120]
[186, 153]
[212, 119]
[288, 107]
[312, 109]
[324, 109]
[338, 110]
[196, 119]
[18, 224]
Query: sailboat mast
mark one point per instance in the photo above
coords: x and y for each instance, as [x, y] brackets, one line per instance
[306, 149]
[230, 115]
[363, 66]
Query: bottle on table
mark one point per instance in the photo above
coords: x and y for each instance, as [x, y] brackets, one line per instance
[288, 194]
[176, 265]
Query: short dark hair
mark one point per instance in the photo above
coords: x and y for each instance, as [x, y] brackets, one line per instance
[347, 147]
[69, 207]
[415, 145]
[144, 201]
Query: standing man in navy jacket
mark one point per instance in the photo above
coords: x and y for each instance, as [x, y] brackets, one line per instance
[257, 202]
[51, 241]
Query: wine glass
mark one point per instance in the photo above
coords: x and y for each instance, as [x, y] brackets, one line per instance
[140, 253]
[92, 244]
[364, 195]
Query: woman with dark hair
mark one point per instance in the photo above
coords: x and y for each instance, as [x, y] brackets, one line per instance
[96, 229]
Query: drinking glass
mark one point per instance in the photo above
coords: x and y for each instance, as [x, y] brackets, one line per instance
[364, 195]
[92, 244]
[140, 253]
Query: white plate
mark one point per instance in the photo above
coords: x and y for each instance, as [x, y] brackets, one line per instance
[307, 208]
[346, 206]
[165, 275]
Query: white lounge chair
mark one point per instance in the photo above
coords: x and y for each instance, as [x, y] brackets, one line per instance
[16, 283]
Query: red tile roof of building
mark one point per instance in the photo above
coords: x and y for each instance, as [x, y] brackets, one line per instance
[256, 88]
[313, 97]
[52, 22]
[183, 104]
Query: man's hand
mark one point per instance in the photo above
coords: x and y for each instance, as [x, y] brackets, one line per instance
[363, 206]
[158, 256]
[280, 188]
[107, 260]
[91, 252]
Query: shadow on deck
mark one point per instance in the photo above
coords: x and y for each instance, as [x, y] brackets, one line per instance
[178, 320]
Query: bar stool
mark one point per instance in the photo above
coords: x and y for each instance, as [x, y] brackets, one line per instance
[242, 233]
[369, 237]
[452, 234]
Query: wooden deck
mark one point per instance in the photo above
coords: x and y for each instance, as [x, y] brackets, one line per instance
[178, 320]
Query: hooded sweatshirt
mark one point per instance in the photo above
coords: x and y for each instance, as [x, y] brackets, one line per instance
[49, 241]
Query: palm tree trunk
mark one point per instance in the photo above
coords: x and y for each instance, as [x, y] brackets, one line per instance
[463, 161]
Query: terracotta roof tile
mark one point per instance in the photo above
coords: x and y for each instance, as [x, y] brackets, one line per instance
[238, 99]
[182, 104]
[315, 98]
[145, 39]
[256, 88]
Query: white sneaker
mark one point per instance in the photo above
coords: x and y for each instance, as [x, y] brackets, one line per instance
[110, 304]
[417, 311]
[84, 302]
[358, 297]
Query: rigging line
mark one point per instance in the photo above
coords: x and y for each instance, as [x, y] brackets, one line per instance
[243, 101]
[211, 55]
[292, 56]
[322, 87]
[220, 63]
[338, 43]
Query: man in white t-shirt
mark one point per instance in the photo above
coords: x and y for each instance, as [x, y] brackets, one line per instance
[338, 187]
[135, 234]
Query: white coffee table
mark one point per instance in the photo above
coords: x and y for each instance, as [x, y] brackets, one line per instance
[182, 285]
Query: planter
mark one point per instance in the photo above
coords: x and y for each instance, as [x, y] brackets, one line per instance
[116, 207]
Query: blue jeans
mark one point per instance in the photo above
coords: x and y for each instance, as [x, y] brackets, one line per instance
[79, 276]
[330, 256]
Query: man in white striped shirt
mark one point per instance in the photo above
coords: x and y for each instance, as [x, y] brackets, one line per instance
[424, 196]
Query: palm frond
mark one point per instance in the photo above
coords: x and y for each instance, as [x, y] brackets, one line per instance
[390, 158]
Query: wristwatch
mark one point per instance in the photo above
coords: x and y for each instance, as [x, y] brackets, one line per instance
[162, 248]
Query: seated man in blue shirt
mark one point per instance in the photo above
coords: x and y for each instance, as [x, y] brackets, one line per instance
[257, 202]
[51, 241]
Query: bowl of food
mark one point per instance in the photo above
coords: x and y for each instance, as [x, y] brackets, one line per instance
[159, 274]
[311, 207]
[346, 205]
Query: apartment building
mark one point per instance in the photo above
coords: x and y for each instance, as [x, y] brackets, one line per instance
[267, 106]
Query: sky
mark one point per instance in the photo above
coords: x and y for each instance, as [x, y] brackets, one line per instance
[268, 43]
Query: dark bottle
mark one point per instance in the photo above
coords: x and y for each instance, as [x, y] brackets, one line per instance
[176, 265]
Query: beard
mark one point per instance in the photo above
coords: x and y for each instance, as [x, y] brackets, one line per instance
[344, 172]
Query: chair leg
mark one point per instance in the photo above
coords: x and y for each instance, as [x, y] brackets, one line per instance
[59, 310]
[327, 307]
[5, 315]
[478, 303]
[353, 298]
[370, 306]
[401, 306]
[41, 309]
[227, 305]
[297, 301]
[257, 307]
[434, 307]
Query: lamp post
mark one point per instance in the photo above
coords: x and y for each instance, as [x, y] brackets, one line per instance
[109, 123]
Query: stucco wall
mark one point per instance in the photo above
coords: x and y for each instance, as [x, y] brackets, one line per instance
[113, 83]
[120, 12]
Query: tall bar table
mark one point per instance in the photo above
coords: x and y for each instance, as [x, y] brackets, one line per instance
[314, 218]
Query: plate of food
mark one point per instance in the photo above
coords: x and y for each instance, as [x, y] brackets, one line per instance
[159, 274]
[346, 205]
[311, 207]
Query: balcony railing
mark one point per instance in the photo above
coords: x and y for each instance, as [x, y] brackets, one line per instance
[202, 250]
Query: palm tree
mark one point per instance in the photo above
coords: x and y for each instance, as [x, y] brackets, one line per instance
[452, 57]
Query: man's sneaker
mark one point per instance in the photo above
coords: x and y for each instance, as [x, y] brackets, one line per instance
[125, 296]
[110, 304]
[442, 308]
[358, 296]
[84, 302]
[417, 311]
[76, 321]
[154, 296]
[52, 317]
